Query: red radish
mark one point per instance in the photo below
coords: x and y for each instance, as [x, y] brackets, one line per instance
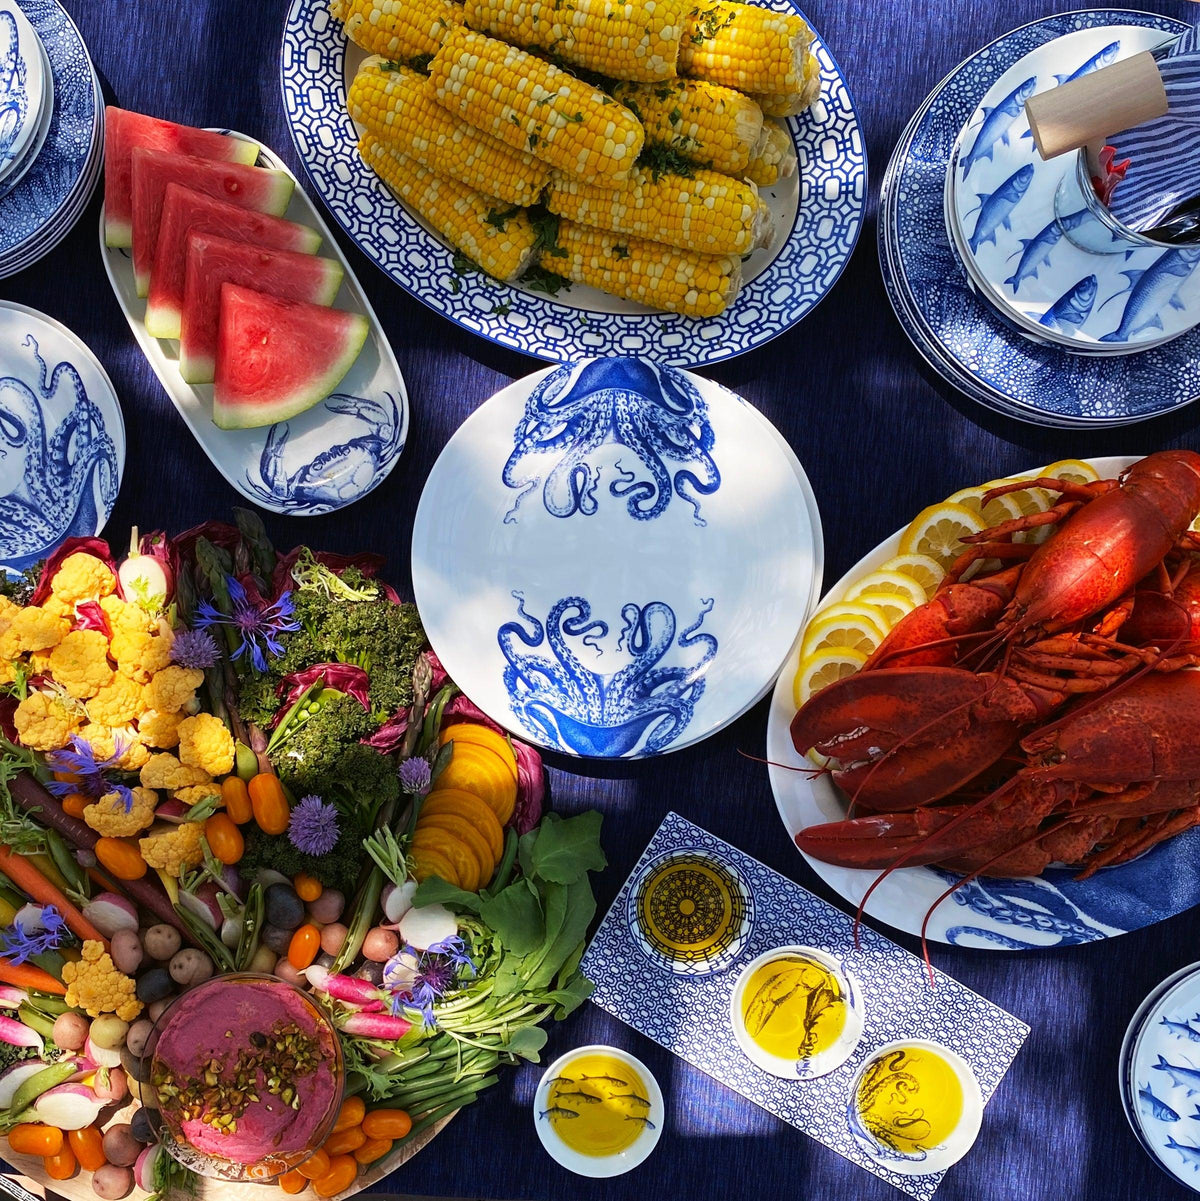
[376, 1025]
[347, 989]
[203, 904]
[398, 901]
[69, 1107]
[104, 1057]
[143, 577]
[111, 1084]
[12, 1078]
[11, 997]
[425, 927]
[17, 1034]
[143, 1170]
[110, 913]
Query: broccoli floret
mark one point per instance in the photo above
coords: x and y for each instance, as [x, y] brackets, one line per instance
[356, 776]
[314, 746]
[340, 868]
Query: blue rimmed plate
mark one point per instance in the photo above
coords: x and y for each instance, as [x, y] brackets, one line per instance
[963, 338]
[612, 556]
[62, 438]
[818, 214]
[22, 85]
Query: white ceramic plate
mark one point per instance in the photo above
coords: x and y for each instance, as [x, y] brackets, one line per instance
[23, 76]
[62, 438]
[326, 458]
[611, 557]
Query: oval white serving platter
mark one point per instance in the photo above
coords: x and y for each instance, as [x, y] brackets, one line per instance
[328, 457]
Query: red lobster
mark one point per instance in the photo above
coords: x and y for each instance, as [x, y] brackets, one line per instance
[953, 707]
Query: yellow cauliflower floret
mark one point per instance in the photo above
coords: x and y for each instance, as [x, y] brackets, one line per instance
[8, 671]
[80, 663]
[105, 742]
[32, 629]
[43, 722]
[82, 577]
[94, 984]
[159, 729]
[58, 608]
[175, 850]
[8, 610]
[173, 688]
[205, 742]
[139, 654]
[125, 618]
[165, 771]
[118, 702]
[195, 793]
[39, 663]
[108, 817]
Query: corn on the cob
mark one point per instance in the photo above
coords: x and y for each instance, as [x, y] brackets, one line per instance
[774, 157]
[614, 38]
[707, 212]
[489, 233]
[536, 107]
[397, 29]
[703, 122]
[792, 104]
[398, 106]
[743, 46]
[680, 281]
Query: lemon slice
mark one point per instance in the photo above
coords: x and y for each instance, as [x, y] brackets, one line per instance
[893, 604]
[899, 583]
[938, 532]
[823, 667]
[1075, 470]
[997, 510]
[926, 571]
[861, 627]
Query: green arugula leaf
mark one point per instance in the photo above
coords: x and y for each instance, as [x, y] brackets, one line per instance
[566, 850]
[526, 1042]
[573, 907]
[516, 916]
[436, 891]
[570, 998]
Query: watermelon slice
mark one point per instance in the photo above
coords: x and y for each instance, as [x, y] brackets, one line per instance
[277, 358]
[123, 131]
[185, 212]
[212, 262]
[257, 188]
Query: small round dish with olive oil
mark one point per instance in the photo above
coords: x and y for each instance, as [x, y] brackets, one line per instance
[598, 1111]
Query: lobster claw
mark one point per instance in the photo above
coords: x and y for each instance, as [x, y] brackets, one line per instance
[879, 840]
[910, 735]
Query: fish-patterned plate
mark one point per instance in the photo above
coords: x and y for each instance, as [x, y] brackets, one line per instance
[614, 556]
[324, 459]
[1053, 910]
[62, 438]
[1159, 1075]
[22, 85]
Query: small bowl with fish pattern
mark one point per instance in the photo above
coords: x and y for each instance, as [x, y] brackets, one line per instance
[598, 1111]
[1159, 1075]
[1032, 244]
[796, 1013]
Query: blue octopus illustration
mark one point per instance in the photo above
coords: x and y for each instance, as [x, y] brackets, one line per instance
[605, 715]
[340, 474]
[14, 99]
[654, 411]
[53, 495]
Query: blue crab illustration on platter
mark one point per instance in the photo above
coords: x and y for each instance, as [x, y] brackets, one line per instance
[57, 480]
[343, 473]
[653, 412]
[638, 708]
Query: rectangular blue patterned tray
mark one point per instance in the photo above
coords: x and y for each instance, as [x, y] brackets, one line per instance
[685, 1007]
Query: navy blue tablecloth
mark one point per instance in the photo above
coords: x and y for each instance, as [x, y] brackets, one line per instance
[879, 437]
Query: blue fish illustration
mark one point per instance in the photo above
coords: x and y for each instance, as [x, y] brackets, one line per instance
[1158, 1109]
[1074, 307]
[996, 209]
[1150, 291]
[1188, 1078]
[1035, 251]
[1098, 60]
[996, 122]
[1182, 1030]
[1189, 1153]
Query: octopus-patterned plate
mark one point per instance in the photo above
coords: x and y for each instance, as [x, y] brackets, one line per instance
[62, 438]
[613, 557]
[818, 214]
[1052, 910]
[22, 85]
[324, 459]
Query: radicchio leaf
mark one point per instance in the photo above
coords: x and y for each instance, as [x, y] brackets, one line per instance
[89, 616]
[345, 677]
[91, 546]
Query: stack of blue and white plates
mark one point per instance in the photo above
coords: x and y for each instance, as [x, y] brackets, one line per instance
[51, 130]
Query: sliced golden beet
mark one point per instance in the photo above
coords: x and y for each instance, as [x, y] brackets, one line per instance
[467, 805]
[469, 731]
[442, 842]
[428, 863]
[466, 833]
[476, 769]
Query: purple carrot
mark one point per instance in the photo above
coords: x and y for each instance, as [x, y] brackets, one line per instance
[380, 1026]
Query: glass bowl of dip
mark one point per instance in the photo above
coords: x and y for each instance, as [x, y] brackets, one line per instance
[244, 1077]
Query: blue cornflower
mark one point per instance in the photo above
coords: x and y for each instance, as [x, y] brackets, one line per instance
[195, 648]
[313, 826]
[20, 944]
[258, 626]
[415, 775]
[81, 761]
[421, 978]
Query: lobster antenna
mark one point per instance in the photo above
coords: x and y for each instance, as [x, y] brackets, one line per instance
[811, 772]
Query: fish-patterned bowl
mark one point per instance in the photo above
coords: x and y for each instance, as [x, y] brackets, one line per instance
[23, 94]
[1159, 1075]
[1033, 244]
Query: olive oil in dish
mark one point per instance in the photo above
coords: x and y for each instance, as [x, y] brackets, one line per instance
[794, 1007]
[598, 1105]
[909, 1099]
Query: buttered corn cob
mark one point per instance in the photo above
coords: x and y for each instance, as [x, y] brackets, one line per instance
[774, 157]
[620, 40]
[679, 281]
[489, 233]
[397, 29]
[534, 106]
[707, 212]
[703, 122]
[399, 107]
[746, 47]
[792, 104]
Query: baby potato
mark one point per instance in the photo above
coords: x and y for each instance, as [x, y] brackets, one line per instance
[161, 942]
[138, 1035]
[190, 966]
[126, 950]
[112, 1182]
[71, 1031]
[108, 1031]
[120, 1147]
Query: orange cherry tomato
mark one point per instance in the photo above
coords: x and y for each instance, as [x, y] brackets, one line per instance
[88, 1146]
[292, 1182]
[236, 796]
[67, 777]
[372, 1149]
[74, 803]
[32, 1138]
[121, 857]
[351, 1113]
[304, 947]
[315, 1166]
[344, 1142]
[386, 1123]
[342, 1171]
[270, 806]
[224, 838]
[61, 1166]
[308, 888]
